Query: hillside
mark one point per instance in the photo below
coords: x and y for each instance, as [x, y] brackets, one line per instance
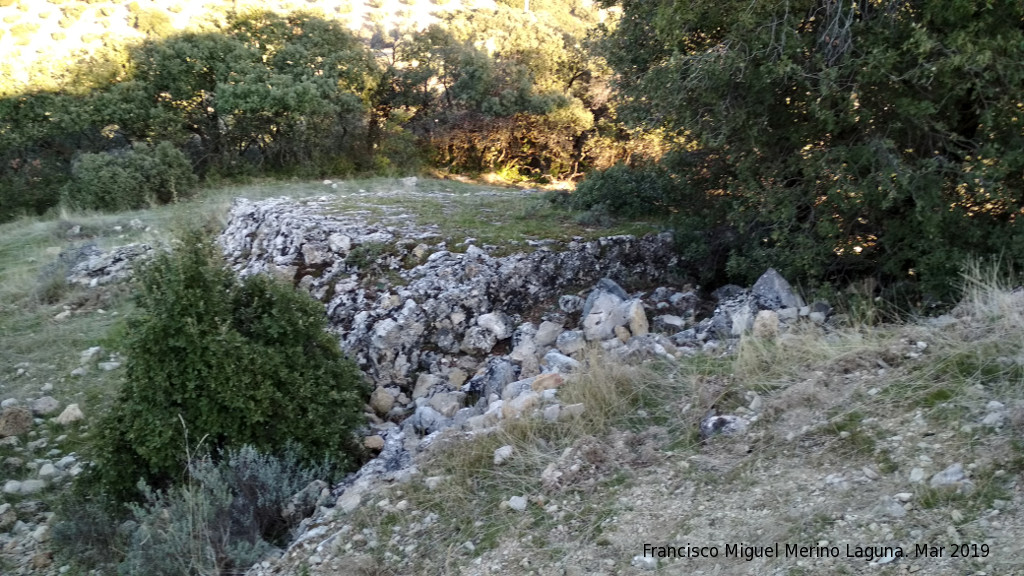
[860, 434]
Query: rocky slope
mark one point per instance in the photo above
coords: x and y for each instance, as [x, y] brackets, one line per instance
[545, 407]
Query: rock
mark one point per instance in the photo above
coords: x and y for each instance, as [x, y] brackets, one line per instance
[772, 291]
[602, 313]
[492, 378]
[41, 561]
[7, 403]
[349, 501]
[478, 341]
[108, 366]
[517, 503]
[547, 333]
[97, 267]
[520, 406]
[546, 382]
[570, 342]
[516, 388]
[524, 343]
[339, 244]
[447, 403]
[637, 318]
[425, 383]
[12, 487]
[725, 424]
[90, 355]
[375, 442]
[952, 477]
[728, 292]
[497, 322]
[15, 421]
[644, 562]
[570, 304]
[70, 414]
[7, 516]
[501, 455]
[47, 472]
[561, 363]
[766, 325]
[426, 419]
[622, 333]
[31, 486]
[733, 317]
[382, 400]
[890, 507]
[44, 406]
[80, 371]
[41, 534]
[551, 413]
[669, 323]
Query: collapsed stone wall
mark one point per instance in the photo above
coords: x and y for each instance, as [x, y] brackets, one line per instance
[403, 304]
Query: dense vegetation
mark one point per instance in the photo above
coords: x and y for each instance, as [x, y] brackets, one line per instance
[832, 139]
[502, 90]
[835, 139]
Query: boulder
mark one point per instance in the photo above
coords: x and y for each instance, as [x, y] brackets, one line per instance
[547, 333]
[570, 342]
[15, 421]
[447, 403]
[636, 318]
[44, 406]
[772, 291]
[497, 322]
[478, 341]
[382, 400]
[492, 378]
[70, 414]
[561, 363]
[603, 312]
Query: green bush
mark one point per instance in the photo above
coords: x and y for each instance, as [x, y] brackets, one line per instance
[625, 191]
[239, 362]
[130, 179]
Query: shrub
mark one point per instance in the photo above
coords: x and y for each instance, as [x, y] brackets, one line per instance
[130, 179]
[228, 516]
[626, 191]
[240, 362]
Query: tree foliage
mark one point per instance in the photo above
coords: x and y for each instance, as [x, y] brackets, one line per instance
[862, 137]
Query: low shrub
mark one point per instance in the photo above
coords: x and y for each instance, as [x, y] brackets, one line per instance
[237, 361]
[129, 179]
[227, 517]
